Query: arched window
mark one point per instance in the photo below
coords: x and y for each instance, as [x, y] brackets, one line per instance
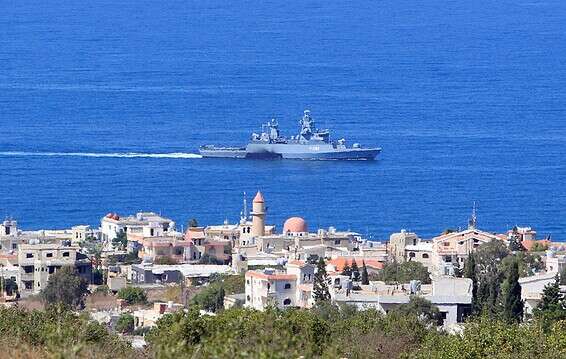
[248, 298]
[425, 256]
[411, 254]
[287, 285]
[287, 301]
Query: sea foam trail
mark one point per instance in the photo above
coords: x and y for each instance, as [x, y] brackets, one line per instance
[108, 155]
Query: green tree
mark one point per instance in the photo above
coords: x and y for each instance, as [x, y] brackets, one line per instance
[470, 272]
[192, 223]
[211, 298]
[9, 286]
[125, 324]
[490, 275]
[552, 306]
[166, 260]
[65, 287]
[405, 272]
[539, 247]
[365, 276]
[132, 295]
[563, 276]
[515, 242]
[513, 305]
[347, 270]
[120, 241]
[423, 309]
[320, 285]
[355, 271]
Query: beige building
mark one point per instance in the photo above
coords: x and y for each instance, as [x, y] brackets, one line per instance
[452, 249]
[38, 262]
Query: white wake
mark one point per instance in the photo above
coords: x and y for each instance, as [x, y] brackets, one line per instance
[109, 155]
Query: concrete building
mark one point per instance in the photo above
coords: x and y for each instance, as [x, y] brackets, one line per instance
[452, 296]
[38, 262]
[407, 246]
[147, 318]
[156, 273]
[292, 288]
[452, 249]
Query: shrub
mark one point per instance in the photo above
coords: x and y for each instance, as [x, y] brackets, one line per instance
[132, 295]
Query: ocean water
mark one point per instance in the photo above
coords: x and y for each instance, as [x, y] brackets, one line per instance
[104, 104]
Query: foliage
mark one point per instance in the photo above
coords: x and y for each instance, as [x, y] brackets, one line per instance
[489, 275]
[365, 276]
[97, 277]
[512, 303]
[323, 332]
[355, 271]
[127, 258]
[9, 286]
[347, 270]
[125, 324]
[515, 242]
[563, 276]
[208, 259]
[102, 289]
[132, 295]
[488, 338]
[320, 285]
[120, 241]
[539, 247]
[529, 263]
[211, 298]
[422, 309]
[65, 287]
[405, 272]
[58, 333]
[166, 260]
[192, 223]
[552, 306]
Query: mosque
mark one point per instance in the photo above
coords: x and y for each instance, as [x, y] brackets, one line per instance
[260, 243]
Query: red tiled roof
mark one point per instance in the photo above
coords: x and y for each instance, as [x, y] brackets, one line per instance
[271, 276]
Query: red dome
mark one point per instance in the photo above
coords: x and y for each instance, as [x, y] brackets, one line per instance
[295, 225]
[109, 215]
[116, 216]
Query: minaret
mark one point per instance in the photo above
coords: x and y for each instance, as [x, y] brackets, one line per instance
[244, 213]
[258, 216]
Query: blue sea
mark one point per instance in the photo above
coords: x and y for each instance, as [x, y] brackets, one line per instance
[466, 98]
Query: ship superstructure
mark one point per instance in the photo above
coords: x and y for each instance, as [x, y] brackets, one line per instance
[309, 144]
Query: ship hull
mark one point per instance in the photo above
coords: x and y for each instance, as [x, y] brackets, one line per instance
[292, 152]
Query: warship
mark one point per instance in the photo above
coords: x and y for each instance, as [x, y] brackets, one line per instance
[309, 144]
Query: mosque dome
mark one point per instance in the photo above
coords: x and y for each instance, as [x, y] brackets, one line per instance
[295, 225]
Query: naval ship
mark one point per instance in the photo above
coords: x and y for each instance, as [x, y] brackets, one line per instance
[309, 144]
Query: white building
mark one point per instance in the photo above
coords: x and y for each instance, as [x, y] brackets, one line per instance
[144, 224]
[292, 288]
[532, 288]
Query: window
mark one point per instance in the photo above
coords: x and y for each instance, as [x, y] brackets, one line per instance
[337, 241]
[66, 254]
[411, 254]
[287, 301]
[287, 285]
[446, 244]
[425, 256]
[248, 298]
[14, 246]
[29, 255]
[49, 255]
